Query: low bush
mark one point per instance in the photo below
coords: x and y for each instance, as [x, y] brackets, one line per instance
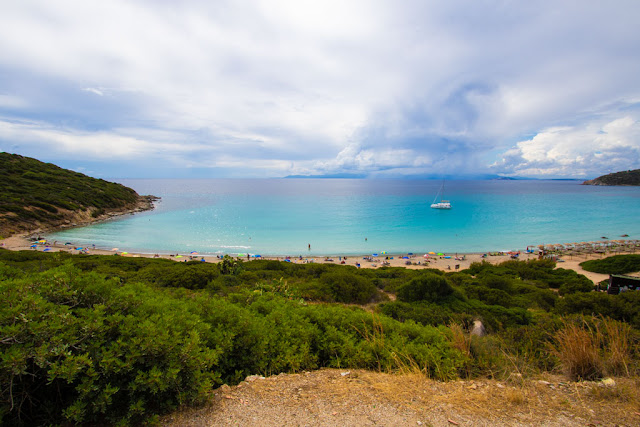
[426, 287]
[89, 350]
[617, 264]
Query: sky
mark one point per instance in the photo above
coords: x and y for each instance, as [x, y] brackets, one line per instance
[380, 89]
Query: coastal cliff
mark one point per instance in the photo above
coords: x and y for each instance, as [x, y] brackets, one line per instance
[36, 196]
[631, 177]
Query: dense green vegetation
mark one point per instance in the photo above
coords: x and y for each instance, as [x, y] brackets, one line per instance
[631, 177]
[94, 339]
[33, 192]
[617, 264]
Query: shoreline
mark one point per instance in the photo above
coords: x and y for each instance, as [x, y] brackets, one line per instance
[81, 218]
[446, 262]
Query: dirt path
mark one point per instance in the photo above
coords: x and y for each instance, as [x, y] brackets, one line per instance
[331, 397]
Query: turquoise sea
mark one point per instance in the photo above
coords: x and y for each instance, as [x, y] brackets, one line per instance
[353, 216]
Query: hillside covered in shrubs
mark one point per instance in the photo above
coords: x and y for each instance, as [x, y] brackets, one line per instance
[630, 177]
[36, 195]
[95, 339]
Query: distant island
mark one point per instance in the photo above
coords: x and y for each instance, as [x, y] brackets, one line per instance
[37, 196]
[631, 177]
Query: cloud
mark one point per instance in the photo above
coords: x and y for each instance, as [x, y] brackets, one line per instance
[94, 90]
[281, 86]
[586, 150]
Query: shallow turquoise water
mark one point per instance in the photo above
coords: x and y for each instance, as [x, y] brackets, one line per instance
[341, 216]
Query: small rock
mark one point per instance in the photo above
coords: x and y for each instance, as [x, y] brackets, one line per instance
[252, 378]
[544, 382]
[609, 382]
[478, 329]
[344, 374]
[419, 423]
[499, 385]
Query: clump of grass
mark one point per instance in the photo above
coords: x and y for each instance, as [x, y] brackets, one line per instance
[515, 396]
[460, 340]
[591, 350]
[577, 349]
[618, 342]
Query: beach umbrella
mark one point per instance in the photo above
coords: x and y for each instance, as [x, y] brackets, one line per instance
[34, 245]
[179, 256]
[114, 249]
[193, 253]
[125, 253]
[440, 254]
[47, 249]
[432, 253]
[78, 249]
[68, 243]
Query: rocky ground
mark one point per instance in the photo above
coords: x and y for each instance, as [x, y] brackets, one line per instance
[331, 397]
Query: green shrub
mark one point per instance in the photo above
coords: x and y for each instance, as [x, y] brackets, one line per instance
[426, 287]
[617, 264]
[346, 287]
[90, 350]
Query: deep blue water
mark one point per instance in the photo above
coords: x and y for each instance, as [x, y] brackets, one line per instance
[344, 216]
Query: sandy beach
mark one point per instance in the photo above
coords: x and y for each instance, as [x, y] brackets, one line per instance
[446, 262]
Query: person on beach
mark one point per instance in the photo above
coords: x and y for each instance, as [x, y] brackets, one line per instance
[309, 246]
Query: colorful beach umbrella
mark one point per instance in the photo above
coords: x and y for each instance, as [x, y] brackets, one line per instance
[440, 254]
[193, 253]
[432, 253]
[179, 256]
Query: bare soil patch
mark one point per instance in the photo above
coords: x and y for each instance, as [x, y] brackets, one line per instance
[332, 397]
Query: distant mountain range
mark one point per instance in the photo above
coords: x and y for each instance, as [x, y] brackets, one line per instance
[425, 176]
[631, 177]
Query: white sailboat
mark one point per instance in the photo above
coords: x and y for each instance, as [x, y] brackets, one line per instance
[442, 204]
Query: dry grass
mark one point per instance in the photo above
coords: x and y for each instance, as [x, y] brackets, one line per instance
[577, 347]
[590, 351]
[618, 342]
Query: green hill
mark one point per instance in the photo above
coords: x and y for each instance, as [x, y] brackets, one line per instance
[36, 195]
[631, 177]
